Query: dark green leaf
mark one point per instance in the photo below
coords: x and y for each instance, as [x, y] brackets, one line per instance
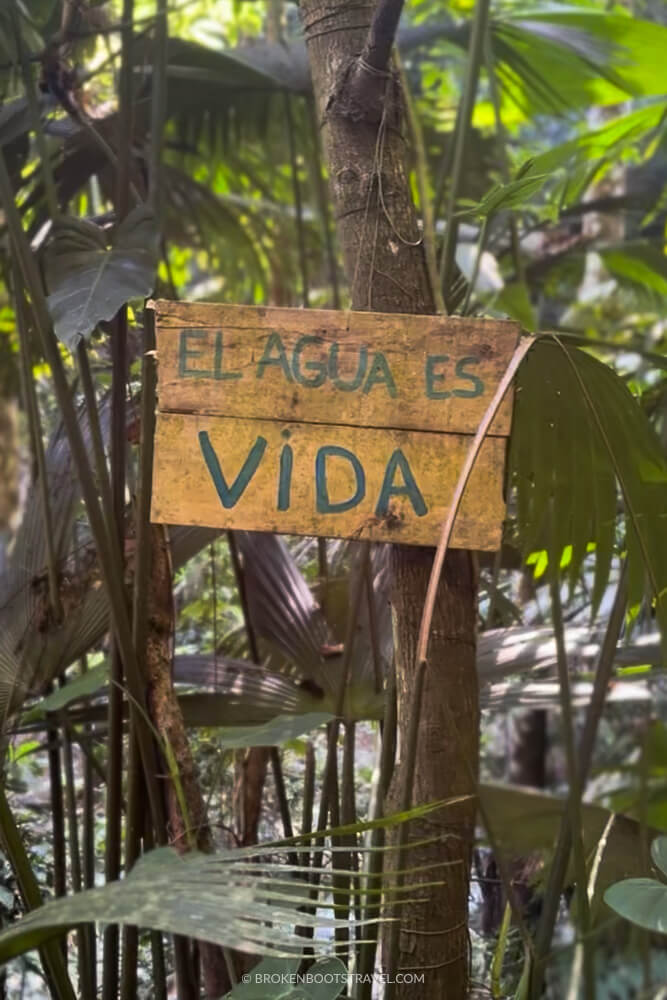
[88, 282]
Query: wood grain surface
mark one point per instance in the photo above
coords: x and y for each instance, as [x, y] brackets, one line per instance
[340, 424]
[324, 366]
[417, 470]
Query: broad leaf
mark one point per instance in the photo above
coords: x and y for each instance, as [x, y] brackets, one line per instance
[572, 57]
[578, 433]
[524, 820]
[642, 901]
[84, 686]
[252, 899]
[228, 899]
[89, 282]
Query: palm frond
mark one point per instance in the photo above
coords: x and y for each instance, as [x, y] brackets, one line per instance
[577, 433]
[256, 900]
[563, 58]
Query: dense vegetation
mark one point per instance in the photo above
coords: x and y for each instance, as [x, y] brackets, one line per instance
[216, 701]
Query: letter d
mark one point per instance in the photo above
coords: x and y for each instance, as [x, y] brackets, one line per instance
[324, 504]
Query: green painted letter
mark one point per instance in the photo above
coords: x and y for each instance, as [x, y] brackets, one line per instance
[432, 377]
[381, 373]
[230, 495]
[478, 385]
[362, 364]
[409, 489]
[184, 352]
[217, 360]
[318, 367]
[273, 342]
[324, 504]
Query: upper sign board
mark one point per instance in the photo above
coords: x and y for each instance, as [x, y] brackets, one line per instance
[313, 422]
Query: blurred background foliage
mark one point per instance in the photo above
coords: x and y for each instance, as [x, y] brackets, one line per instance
[550, 184]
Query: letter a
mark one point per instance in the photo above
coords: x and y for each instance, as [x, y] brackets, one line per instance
[230, 495]
[410, 489]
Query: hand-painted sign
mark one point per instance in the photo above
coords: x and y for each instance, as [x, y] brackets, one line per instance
[353, 425]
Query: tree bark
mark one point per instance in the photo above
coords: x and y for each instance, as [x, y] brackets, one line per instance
[360, 113]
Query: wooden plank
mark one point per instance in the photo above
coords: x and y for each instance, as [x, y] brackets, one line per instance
[322, 366]
[315, 473]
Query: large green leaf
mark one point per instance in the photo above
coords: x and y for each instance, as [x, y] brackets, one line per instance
[279, 730]
[643, 901]
[524, 820]
[578, 433]
[640, 264]
[573, 57]
[89, 282]
[232, 899]
[252, 899]
[628, 131]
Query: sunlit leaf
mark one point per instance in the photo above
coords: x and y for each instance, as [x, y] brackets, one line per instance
[578, 437]
[273, 733]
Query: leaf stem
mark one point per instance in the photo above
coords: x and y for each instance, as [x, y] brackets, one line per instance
[51, 953]
[464, 120]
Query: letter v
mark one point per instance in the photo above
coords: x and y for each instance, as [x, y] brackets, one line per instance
[230, 495]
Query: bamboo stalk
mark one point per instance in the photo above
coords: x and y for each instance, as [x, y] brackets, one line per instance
[109, 555]
[119, 365]
[559, 864]
[89, 835]
[51, 953]
[375, 858]
[574, 777]
[298, 204]
[325, 213]
[466, 108]
[84, 956]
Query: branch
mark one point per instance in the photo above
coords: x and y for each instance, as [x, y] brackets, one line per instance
[381, 34]
[363, 94]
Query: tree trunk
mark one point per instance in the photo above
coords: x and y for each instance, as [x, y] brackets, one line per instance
[360, 113]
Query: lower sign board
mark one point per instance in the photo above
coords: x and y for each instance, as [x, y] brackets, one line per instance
[342, 424]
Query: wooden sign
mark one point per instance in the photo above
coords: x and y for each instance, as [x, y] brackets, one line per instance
[313, 422]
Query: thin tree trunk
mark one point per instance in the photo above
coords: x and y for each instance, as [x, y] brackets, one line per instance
[186, 811]
[359, 108]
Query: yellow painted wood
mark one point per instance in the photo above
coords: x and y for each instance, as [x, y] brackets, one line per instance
[184, 491]
[210, 361]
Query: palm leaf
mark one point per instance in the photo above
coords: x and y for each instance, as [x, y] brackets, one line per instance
[503, 652]
[282, 609]
[251, 899]
[244, 693]
[562, 58]
[285, 614]
[545, 694]
[33, 650]
[220, 898]
[577, 433]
